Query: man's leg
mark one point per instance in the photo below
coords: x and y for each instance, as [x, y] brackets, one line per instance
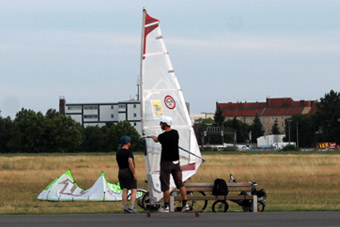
[132, 201]
[183, 191]
[166, 197]
[133, 195]
[165, 181]
[185, 204]
[124, 198]
[177, 175]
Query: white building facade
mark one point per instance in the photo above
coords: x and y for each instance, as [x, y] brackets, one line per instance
[98, 114]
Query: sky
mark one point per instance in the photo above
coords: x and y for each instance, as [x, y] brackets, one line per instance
[221, 50]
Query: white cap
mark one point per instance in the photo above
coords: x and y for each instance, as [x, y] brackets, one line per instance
[166, 119]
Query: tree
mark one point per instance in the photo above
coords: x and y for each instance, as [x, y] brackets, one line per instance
[219, 118]
[257, 129]
[124, 128]
[113, 132]
[204, 123]
[34, 133]
[200, 126]
[6, 130]
[28, 132]
[62, 133]
[275, 128]
[239, 127]
[51, 113]
[94, 139]
[328, 117]
[110, 137]
[302, 130]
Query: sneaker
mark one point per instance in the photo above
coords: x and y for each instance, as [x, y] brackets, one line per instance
[164, 209]
[185, 208]
[132, 210]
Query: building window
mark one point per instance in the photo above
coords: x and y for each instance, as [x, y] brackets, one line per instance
[134, 106]
[90, 116]
[111, 107]
[135, 124]
[74, 107]
[90, 107]
[121, 106]
[112, 116]
[135, 115]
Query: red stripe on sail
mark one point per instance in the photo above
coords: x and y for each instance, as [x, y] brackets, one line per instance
[191, 166]
[148, 20]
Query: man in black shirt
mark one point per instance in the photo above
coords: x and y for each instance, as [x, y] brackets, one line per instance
[127, 174]
[170, 163]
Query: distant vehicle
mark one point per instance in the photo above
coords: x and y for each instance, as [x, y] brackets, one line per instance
[281, 145]
[242, 147]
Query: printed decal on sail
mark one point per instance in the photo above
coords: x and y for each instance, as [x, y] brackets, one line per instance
[157, 108]
[170, 102]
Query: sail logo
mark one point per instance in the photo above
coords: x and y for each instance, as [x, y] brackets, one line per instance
[169, 102]
[157, 107]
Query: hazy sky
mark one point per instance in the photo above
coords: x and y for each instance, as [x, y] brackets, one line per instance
[222, 50]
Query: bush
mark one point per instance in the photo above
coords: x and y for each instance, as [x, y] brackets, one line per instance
[208, 149]
[290, 148]
[230, 149]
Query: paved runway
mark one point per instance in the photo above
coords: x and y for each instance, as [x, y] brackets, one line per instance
[272, 219]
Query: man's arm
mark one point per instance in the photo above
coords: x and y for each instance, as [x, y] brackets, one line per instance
[132, 168]
[155, 139]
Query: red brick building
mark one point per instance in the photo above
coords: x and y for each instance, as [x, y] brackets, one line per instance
[273, 109]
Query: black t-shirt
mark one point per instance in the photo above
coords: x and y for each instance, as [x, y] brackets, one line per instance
[169, 142]
[122, 158]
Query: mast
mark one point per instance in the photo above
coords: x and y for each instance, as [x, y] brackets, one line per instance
[142, 73]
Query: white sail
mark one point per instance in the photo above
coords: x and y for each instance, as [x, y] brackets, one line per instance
[162, 95]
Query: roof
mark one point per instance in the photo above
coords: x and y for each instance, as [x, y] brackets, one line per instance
[272, 107]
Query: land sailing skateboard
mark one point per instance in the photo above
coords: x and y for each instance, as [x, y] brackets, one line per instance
[149, 212]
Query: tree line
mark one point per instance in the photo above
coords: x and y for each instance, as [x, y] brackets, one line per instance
[33, 132]
[305, 129]
[323, 126]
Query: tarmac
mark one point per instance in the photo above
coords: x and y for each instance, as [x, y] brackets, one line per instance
[235, 219]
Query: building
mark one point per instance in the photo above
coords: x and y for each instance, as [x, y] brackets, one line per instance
[98, 114]
[273, 109]
[195, 117]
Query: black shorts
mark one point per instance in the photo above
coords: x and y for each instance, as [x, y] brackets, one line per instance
[126, 179]
[167, 168]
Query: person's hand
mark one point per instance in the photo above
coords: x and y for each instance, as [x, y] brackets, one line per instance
[135, 176]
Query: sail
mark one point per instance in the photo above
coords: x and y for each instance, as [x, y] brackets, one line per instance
[161, 94]
[64, 188]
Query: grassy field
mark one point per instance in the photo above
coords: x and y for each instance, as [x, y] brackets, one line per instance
[294, 182]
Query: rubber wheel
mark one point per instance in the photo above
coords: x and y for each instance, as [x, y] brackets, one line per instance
[220, 206]
[145, 203]
[260, 207]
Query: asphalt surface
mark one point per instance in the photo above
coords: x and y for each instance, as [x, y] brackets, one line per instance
[271, 219]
